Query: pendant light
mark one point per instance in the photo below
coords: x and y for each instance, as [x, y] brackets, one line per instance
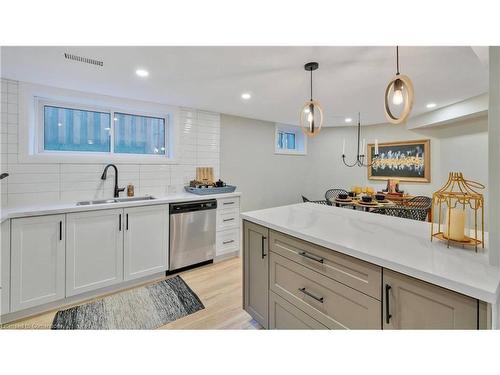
[311, 114]
[399, 92]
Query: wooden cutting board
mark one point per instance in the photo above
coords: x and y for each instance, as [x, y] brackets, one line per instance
[205, 175]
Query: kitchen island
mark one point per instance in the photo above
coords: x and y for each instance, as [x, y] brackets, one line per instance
[308, 265]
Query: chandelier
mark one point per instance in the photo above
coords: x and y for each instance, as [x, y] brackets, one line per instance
[360, 155]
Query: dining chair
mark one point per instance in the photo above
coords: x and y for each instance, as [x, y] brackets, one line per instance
[419, 214]
[334, 194]
[419, 201]
[304, 199]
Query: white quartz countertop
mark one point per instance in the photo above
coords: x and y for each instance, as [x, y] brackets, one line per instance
[401, 245]
[72, 207]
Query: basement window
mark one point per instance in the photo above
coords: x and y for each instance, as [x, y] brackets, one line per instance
[79, 130]
[289, 140]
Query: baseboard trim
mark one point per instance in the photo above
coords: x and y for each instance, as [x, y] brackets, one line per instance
[232, 254]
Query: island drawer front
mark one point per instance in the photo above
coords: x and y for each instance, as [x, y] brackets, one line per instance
[331, 303]
[284, 315]
[357, 274]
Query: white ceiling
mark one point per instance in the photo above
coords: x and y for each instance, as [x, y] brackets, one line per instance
[350, 79]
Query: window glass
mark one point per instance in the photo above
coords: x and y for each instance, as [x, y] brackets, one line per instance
[67, 129]
[139, 134]
[286, 141]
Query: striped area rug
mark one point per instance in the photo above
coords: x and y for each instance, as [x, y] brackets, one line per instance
[146, 307]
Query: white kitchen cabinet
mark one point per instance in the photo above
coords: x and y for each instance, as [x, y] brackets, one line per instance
[94, 250]
[146, 240]
[37, 261]
[5, 269]
[228, 226]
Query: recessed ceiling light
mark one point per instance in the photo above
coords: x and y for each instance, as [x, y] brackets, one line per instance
[431, 105]
[348, 119]
[142, 73]
[246, 96]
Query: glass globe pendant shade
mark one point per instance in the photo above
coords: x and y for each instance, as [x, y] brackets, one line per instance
[311, 118]
[399, 92]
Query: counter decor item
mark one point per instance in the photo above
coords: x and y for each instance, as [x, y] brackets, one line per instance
[130, 190]
[205, 175]
[201, 188]
[404, 161]
[459, 209]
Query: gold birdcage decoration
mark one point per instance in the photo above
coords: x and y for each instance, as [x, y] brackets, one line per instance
[463, 209]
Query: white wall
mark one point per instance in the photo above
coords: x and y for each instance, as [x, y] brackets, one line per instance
[248, 161]
[48, 183]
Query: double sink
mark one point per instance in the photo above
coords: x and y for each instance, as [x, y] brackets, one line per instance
[115, 200]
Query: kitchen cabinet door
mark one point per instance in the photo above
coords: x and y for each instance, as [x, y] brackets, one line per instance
[409, 303]
[94, 250]
[146, 240]
[37, 261]
[256, 272]
[5, 269]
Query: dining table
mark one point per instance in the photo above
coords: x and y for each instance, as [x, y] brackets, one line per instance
[357, 203]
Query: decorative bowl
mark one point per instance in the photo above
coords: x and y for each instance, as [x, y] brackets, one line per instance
[366, 199]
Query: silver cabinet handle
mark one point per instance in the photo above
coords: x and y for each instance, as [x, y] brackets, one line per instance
[226, 242]
[303, 290]
[228, 219]
[312, 257]
[226, 203]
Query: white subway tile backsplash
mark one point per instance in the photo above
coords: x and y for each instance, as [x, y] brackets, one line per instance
[46, 183]
[15, 188]
[12, 87]
[32, 178]
[12, 119]
[30, 199]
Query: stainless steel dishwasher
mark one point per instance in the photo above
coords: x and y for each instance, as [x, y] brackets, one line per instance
[192, 233]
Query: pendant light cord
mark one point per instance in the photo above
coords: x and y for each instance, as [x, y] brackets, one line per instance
[397, 60]
[311, 85]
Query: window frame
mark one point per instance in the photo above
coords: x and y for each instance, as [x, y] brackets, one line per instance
[33, 100]
[300, 140]
[40, 133]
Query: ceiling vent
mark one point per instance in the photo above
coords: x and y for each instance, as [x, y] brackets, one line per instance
[81, 59]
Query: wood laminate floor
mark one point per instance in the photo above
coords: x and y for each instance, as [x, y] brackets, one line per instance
[218, 285]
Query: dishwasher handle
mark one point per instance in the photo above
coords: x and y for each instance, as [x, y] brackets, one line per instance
[192, 206]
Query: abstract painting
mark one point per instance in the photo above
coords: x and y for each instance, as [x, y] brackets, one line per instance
[406, 161]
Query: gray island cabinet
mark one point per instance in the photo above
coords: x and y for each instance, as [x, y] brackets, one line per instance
[290, 283]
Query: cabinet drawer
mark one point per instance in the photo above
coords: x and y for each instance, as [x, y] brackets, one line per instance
[226, 220]
[227, 241]
[228, 203]
[284, 315]
[355, 273]
[333, 304]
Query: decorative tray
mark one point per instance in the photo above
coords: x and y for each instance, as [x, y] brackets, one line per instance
[210, 190]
